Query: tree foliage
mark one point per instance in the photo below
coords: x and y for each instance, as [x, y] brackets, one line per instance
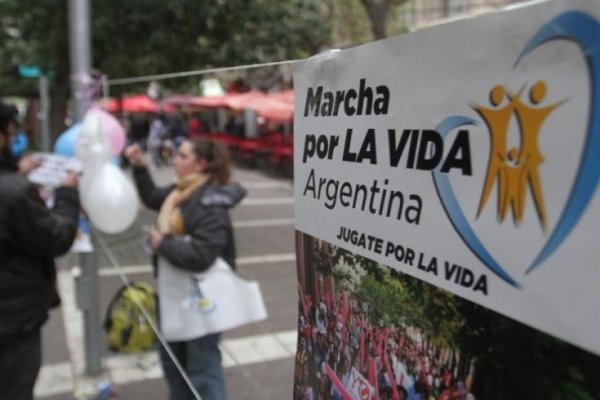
[33, 33]
[36, 33]
[387, 302]
[355, 22]
[134, 38]
[147, 37]
[394, 298]
[380, 13]
[511, 359]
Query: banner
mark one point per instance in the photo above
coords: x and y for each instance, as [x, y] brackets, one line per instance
[447, 211]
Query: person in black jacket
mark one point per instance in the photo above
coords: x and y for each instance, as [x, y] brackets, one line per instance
[31, 235]
[193, 228]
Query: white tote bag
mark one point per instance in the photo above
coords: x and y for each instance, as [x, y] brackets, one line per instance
[197, 304]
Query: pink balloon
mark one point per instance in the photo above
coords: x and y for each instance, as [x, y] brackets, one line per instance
[112, 128]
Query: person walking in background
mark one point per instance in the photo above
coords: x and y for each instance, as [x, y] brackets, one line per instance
[155, 140]
[139, 129]
[178, 128]
[193, 228]
[31, 235]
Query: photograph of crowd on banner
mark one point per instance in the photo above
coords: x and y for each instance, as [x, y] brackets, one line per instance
[368, 332]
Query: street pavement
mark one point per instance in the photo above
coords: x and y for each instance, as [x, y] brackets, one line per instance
[258, 358]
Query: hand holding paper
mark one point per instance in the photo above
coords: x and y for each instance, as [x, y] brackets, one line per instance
[51, 170]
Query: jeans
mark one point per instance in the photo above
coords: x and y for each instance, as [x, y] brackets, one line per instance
[201, 360]
[19, 366]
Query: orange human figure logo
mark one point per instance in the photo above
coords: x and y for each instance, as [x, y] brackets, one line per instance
[516, 168]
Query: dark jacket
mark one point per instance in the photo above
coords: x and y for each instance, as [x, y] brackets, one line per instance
[31, 235]
[208, 230]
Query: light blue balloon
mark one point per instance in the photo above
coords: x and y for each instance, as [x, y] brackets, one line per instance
[65, 144]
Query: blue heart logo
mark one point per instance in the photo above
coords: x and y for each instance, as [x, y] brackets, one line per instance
[584, 30]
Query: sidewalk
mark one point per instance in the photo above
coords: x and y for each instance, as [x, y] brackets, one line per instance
[258, 358]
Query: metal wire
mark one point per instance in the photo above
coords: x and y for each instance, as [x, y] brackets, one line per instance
[115, 263]
[147, 78]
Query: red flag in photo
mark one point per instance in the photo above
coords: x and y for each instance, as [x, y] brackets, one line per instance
[373, 378]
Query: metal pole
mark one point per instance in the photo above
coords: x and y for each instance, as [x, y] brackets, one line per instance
[91, 314]
[105, 89]
[79, 49]
[79, 46]
[44, 114]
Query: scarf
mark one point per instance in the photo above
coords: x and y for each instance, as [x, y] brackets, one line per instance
[170, 218]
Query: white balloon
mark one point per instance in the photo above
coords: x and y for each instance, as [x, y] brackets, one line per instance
[92, 148]
[110, 200]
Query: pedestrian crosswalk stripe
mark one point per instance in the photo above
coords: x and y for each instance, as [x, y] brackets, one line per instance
[268, 201]
[56, 379]
[267, 258]
[257, 223]
[249, 260]
[266, 185]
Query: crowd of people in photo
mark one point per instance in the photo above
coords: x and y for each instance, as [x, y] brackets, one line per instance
[339, 346]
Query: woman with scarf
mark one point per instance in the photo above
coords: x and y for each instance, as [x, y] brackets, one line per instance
[193, 228]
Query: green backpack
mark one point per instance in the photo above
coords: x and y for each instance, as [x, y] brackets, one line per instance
[127, 330]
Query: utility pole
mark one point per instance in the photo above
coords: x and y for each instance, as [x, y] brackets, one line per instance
[87, 283]
[44, 114]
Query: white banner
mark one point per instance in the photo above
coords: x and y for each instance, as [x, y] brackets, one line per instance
[468, 156]
[359, 386]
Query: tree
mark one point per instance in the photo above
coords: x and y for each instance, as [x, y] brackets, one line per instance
[379, 12]
[395, 298]
[34, 33]
[353, 24]
[169, 36]
[146, 37]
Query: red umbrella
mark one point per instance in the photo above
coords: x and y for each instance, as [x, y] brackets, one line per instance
[236, 101]
[110, 105]
[210, 101]
[274, 110]
[277, 107]
[265, 106]
[287, 96]
[139, 103]
[179, 100]
[245, 100]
